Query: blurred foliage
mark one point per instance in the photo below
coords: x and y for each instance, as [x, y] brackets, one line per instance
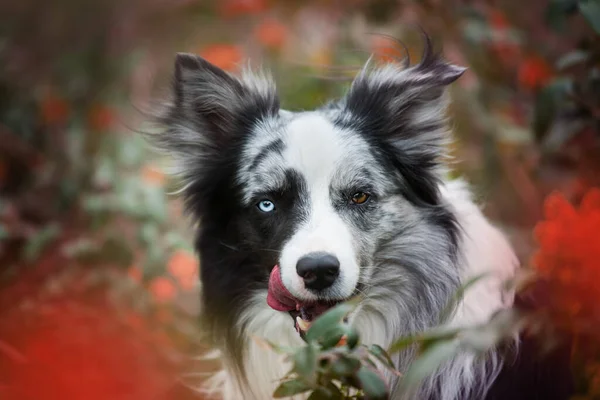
[85, 226]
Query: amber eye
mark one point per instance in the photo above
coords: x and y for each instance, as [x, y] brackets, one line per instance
[360, 197]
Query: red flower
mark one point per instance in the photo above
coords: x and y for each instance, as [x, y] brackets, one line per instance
[387, 50]
[232, 8]
[54, 110]
[224, 56]
[100, 117]
[534, 72]
[135, 274]
[162, 289]
[568, 257]
[70, 350]
[184, 268]
[498, 20]
[152, 175]
[271, 33]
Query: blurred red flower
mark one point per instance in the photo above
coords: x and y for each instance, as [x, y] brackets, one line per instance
[54, 110]
[71, 350]
[271, 33]
[568, 258]
[534, 72]
[502, 47]
[183, 266]
[232, 8]
[498, 20]
[224, 56]
[153, 175]
[100, 117]
[135, 274]
[162, 289]
[387, 50]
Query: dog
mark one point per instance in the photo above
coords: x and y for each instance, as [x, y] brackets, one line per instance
[351, 198]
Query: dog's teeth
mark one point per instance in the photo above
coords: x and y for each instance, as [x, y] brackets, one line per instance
[302, 324]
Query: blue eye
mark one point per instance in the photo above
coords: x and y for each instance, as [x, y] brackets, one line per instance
[266, 206]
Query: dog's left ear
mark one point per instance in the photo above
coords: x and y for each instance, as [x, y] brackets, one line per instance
[404, 109]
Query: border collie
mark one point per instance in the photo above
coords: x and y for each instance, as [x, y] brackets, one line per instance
[350, 198]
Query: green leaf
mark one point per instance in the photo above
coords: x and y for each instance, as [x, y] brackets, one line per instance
[332, 337]
[572, 58]
[148, 234]
[459, 295]
[130, 151]
[4, 234]
[382, 356]
[290, 388]
[329, 392]
[155, 202]
[403, 343]
[503, 325]
[275, 347]
[81, 249]
[521, 281]
[330, 319]
[558, 11]
[105, 173]
[428, 362]
[371, 383]
[345, 365]
[437, 335]
[305, 363]
[116, 250]
[425, 339]
[547, 103]
[352, 338]
[476, 31]
[591, 11]
[38, 242]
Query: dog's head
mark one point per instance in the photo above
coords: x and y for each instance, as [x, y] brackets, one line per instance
[344, 199]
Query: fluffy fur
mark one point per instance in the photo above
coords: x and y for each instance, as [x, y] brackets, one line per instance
[407, 249]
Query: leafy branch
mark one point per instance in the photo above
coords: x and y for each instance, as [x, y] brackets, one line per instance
[333, 364]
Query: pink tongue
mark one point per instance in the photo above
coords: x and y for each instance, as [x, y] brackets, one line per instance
[278, 297]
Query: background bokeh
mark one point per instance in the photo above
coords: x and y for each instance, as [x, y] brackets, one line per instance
[98, 282]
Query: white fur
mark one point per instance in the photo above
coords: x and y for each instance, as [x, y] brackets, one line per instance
[315, 149]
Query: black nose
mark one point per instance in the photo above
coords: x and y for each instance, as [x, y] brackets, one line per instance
[319, 270]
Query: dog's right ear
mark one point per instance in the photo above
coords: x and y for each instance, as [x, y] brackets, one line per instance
[217, 105]
[211, 111]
